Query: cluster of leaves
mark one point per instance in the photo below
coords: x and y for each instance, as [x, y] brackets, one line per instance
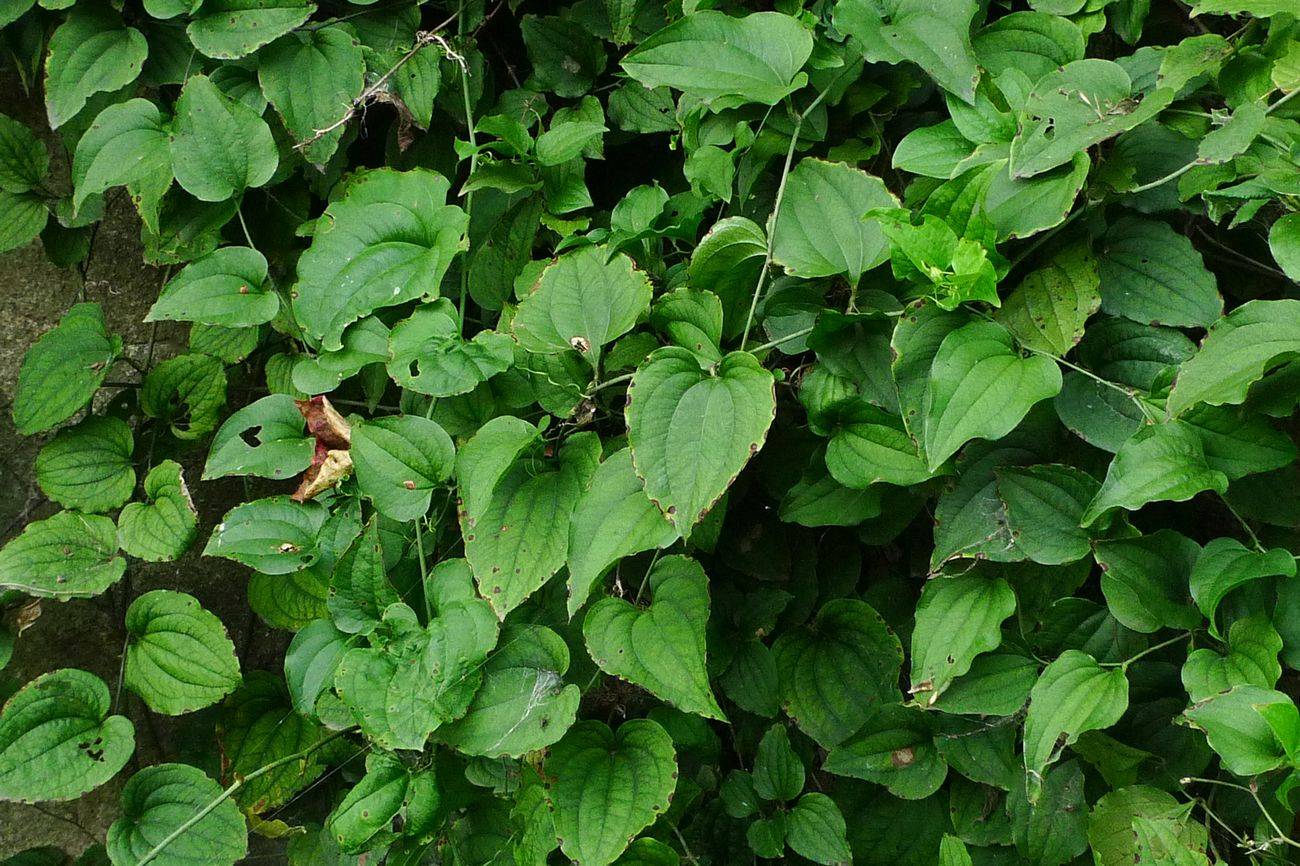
[852, 430]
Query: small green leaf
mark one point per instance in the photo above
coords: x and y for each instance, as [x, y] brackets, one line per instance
[1237, 731]
[282, 448]
[360, 591]
[815, 829]
[1160, 462]
[1251, 659]
[155, 803]
[367, 812]
[178, 656]
[162, 528]
[428, 355]
[24, 159]
[1044, 505]
[220, 147]
[88, 467]
[310, 662]
[660, 647]
[933, 34]
[231, 29]
[1051, 828]
[399, 460]
[957, 619]
[69, 555]
[57, 740]
[127, 145]
[608, 786]
[1225, 564]
[192, 381]
[226, 287]
[895, 748]
[258, 727]
[778, 772]
[91, 52]
[1284, 243]
[1240, 348]
[63, 369]
[870, 445]
[1048, 309]
[274, 535]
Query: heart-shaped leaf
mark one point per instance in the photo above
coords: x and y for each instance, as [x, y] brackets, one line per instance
[179, 657]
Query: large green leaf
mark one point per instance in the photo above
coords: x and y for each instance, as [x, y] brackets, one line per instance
[1160, 462]
[1238, 731]
[162, 527]
[820, 231]
[91, 52]
[127, 145]
[69, 555]
[1034, 43]
[870, 445]
[1073, 695]
[230, 29]
[1144, 580]
[957, 619]
[524, 704]
[274, 535]
[1240, 348]
[427, 353]
[258, 727]
[693, 430]
[227, 287]
[57, 739]
[582, 301]
[836, 669]
[612, 519]
[1047, 311]
[386, 241]
[399, 460]
[178, 655]
[933, 34]
[608, 786]
[1251, 659]
[660, 647]
[724, 61]
[1153, 275]
[312, 78]
[157, 801]
[220, 146]
[980, 387]
[282, 450]
[88, 467]
[1043, 507]
[63, 369]
[1225, 564]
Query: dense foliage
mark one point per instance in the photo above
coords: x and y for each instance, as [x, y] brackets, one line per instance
[676, 432]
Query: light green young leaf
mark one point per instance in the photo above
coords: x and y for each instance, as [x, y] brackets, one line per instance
[933, 34]
[524, 704]
[283, 449]
[57, 740]
[274, 535]
[399, 460]
[815, 830]
[1152, 274]
[1251, 659]
[1225, 564]
[725, 61]
[566, 141]
[89, 53]
[1047, 311]
[820, 231]
[220, 146]
[952, 852]
[63, 369]
[1240, 348]
[1159, 463]
[127, 145]
[1110, 825]
[88, 467]
[179, 657]
[726, 262]
[608, 786]
[836, 669]
[312, 78]
[1044, 505]
[226, 287]
[1237, 731]
[365, 342]
[69, 555]
[161, 528]
[1144, 580]
[1073, 695]
[957, 619]
[388, 240]
[231, 29]
[980, 387]
[692, 431]
[155, 803]
[660, 647]
[692, 319]
[1234, 137]
[428, 355]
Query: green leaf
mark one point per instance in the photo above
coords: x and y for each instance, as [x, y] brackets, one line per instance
[1073, 695]
[155, 803]
[660, 647]
[69, 555]
[566, 141]
[1225, 564]
[566, 57]
[895, 748]
[815, 830]
[310, 662]
[365, 342]
[1152, 274]
[1240, 348]
[24, 159]
[1111, 833]
[274, 535]
[582, 301]
[312, 78]
[127, 145]
[1047, 311]
[692, 430]
[870, 445]
[195, 382]
[608, 786]
[178, 656]
[980, 387]
[952, 852]
[613, 518]
[88, 467]
[282, 449]
[523, 704]
[231, 29]
[725, 61]
[1234, 137]
[1144, 580]
[26, 218]
[820, 231]
[933, 34]
[57, 740]
[1237, 731]
[163, 527]
[778, 772]
[1284, 244]
[1044, 505]
[226, 287]
[428, 355]
[998, 684]
[726, 262]
[63, 369]
[957, 619]
[1159, 463]
[91, 52]
[1072, 108]
[359, 588]
[399, 460]
[258, 727]
[517, 537]
[367, 812]
[1239, 443]
[386, 241]
[220, 146]
[1251, 659]
[836, 669]
[1051, 829]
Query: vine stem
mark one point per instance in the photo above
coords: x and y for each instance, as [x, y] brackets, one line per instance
[473, 163]
[802, 332]
[1254, 795]
[1124, 665]
[232, 789]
